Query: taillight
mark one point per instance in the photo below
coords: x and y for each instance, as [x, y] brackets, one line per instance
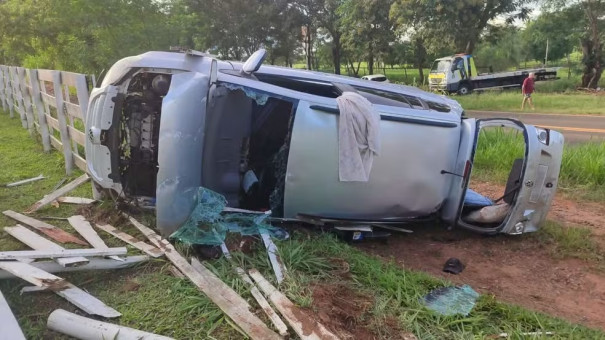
[467, 169]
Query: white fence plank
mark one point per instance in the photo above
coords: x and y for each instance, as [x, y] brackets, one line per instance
[10, 326]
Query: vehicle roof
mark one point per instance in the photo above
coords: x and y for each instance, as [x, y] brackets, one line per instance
[196, 62]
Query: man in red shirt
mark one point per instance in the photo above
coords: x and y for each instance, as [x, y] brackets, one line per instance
[527, 89]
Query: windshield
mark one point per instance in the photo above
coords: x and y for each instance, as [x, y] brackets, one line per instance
[440, 66]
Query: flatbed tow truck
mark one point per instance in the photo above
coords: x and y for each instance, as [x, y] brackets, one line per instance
[458, 74]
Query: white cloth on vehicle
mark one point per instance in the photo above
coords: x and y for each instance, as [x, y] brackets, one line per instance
[358, 137]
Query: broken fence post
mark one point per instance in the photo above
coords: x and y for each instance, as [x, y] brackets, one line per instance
[75, 200]
[81, 225]
[277, 322]
[49, 230]
[276, 263]
[306, 327]
[83, 328]
[38, 242]
[25, 181]
[94, 264]
[140, 245]
[43, 254]
[59, 192]
[233, 305]
[61, 287]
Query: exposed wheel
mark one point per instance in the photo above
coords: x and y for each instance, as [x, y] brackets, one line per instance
[464, 90]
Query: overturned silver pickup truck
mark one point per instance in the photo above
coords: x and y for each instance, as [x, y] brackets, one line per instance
[162, 124]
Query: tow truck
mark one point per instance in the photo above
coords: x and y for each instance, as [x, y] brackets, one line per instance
[458, 74]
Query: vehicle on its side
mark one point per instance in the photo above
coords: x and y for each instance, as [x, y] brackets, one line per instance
[162, 124]
[376, 77]
[458, 74]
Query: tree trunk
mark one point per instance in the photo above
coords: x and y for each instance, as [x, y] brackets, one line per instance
[470, 46]
[568, 67]
[336, 47]
[370, 59]
[420, 58]
[309, 48]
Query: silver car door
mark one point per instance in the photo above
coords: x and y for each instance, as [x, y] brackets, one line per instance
[181, 141]
[538, 180]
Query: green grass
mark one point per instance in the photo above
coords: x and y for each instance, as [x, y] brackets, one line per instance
[398, 74]
[153, 300]
[510, 100]
[569, 242]
[582, 167]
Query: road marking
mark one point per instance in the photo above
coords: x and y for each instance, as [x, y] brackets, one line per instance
[571, 128]
[486, 112]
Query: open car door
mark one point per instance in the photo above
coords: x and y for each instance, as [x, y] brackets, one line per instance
[531, 184]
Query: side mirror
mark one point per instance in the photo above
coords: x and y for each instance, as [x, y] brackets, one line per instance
[254, 62]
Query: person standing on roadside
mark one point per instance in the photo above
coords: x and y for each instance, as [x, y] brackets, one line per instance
[527, 89]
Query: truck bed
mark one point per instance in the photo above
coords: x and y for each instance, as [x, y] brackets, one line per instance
[511, 78]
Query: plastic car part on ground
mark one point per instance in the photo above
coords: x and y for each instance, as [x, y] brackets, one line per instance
[452, 300]
[208, 226]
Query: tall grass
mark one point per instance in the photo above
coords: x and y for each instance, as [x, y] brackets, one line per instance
[582, 167]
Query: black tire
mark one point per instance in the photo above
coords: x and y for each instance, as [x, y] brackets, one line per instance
[464, 89]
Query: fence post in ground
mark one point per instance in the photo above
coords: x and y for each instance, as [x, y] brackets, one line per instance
[26, 97]
[11, 94]
[61, 117]
[37, 99]
[18, 95]
[2, 89]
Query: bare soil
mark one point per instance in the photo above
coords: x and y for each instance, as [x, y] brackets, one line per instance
[514, 269]
[343, 310]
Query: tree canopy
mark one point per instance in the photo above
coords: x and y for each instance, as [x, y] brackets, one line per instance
[90, 35]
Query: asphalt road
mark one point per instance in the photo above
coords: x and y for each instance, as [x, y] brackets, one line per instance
[575, 128]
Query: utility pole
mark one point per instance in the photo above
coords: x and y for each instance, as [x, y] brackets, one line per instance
[546, 57]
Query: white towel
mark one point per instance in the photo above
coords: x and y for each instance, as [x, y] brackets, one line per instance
[358, 137]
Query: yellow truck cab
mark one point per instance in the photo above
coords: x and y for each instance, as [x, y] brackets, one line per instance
[458, 74]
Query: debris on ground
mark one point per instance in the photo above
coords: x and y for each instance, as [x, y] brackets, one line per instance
[83, 328]
[140, 245]
[453, 266]
[49, 230]
[222, 295]
[61, 287]
[75, 200]
[452, 300]
[305, 326]
[10, 326]
[258, 296]
[531, 334]
[38, 242]
[58, 193]
[93, 264]
[83, 227]
[25, 181]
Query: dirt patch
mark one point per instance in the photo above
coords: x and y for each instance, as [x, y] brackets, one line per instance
[344, 311]
[515, 269]
[95, 214]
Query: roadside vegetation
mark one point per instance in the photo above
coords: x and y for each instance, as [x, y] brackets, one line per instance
[582, 168]
[510, 101]
[387, 297]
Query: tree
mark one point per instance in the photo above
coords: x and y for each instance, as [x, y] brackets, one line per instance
[461, 22]
[561, 29]
[366, 25]
[591, 33]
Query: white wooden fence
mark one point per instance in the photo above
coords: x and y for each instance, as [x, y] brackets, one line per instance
[51, 104]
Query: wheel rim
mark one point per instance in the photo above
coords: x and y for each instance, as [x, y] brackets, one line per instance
[464, 90]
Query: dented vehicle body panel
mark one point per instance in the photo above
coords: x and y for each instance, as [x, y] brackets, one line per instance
[162, 124]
